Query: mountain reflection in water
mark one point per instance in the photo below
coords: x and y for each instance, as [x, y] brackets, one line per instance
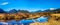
[27, 22]
[43, 19]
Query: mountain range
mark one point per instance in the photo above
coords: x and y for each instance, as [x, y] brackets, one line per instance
[25, 11]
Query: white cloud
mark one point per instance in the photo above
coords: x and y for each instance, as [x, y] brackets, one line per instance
[52, 8]
[5, 3]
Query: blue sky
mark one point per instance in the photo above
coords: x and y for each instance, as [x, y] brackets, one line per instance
[30, 5]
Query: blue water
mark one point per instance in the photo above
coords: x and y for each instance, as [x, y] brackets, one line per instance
[27, 22]
[43, 19]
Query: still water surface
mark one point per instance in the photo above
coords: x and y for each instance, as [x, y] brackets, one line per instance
[27, 22]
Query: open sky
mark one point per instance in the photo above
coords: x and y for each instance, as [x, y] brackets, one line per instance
[30, 5]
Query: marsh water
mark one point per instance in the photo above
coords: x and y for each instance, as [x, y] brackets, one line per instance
[27, 22]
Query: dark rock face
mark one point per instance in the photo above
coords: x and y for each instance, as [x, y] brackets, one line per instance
[2, 11]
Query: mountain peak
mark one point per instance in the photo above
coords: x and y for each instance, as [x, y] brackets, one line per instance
[13, 11]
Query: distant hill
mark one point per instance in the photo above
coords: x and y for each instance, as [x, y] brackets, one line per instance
[2, 11]
[48, 10]
[13, 11]
[23, 11]
[36, 11]
[58, 10]
[53, 11]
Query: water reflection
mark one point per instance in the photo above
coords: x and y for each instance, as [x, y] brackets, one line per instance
[27, 22]
[43, 19]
